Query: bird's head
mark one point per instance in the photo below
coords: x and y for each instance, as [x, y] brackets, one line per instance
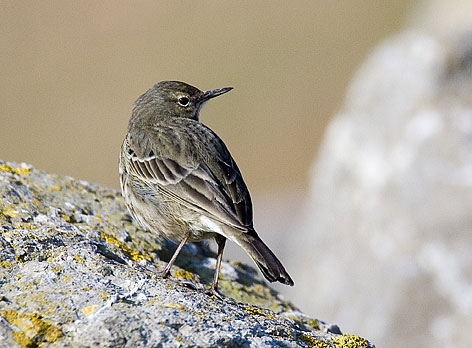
[174, 99]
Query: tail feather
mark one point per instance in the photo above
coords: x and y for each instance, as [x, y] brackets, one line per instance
[264, 258]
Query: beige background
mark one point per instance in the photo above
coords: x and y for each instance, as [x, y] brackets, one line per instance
[71, 71]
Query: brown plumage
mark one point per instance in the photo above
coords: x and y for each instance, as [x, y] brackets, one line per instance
[178, 178]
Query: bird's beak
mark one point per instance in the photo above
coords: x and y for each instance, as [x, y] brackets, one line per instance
[214, 93]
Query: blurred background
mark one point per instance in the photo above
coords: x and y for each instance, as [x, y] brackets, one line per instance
[71, 72]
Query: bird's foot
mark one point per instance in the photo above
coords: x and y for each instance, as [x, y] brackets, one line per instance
[167, 275]
[214, 292]
[163, 274]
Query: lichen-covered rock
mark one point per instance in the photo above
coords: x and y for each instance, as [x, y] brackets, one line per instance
[75, 271]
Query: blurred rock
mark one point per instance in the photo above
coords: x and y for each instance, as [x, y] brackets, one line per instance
[388, 225]
[75, 272]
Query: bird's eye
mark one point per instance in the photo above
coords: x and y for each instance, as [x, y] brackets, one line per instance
[184, 101]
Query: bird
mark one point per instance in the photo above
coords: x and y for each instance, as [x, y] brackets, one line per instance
[179, 180]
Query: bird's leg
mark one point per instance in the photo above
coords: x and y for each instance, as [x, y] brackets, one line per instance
[166, 270]
[220, 241]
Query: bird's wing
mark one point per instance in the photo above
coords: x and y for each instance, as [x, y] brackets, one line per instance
[212, 187]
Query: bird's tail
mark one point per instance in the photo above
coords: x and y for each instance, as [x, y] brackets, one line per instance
[268, 263]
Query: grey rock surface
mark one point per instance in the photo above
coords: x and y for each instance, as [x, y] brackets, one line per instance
[76, 272]
[388, 225]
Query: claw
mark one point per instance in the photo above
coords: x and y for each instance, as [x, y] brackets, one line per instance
[214, 292]
[163, 274]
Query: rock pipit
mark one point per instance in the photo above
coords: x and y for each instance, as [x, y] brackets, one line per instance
[178, 178]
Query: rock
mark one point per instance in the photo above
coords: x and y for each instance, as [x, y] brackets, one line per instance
[76, 272]
[388, 223]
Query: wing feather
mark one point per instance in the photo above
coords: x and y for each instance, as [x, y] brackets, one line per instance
[219, 193]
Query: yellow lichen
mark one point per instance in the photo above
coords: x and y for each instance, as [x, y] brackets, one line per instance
[203, 317]
[56, 269]
[261, 289]
[20, 170]
[105, 296]
[312, 342]
[66, 218]
[32, 328]
[133, 254]
[246, 294]
[153, 299]
[79, 259]
[5, 264]
[87, 310]
[258, 311]
[310, 323]
[5, 168]
[350, 341]
[182, 274]
[175, 305]
[51, 256]
[54, 188]
[10, 211]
